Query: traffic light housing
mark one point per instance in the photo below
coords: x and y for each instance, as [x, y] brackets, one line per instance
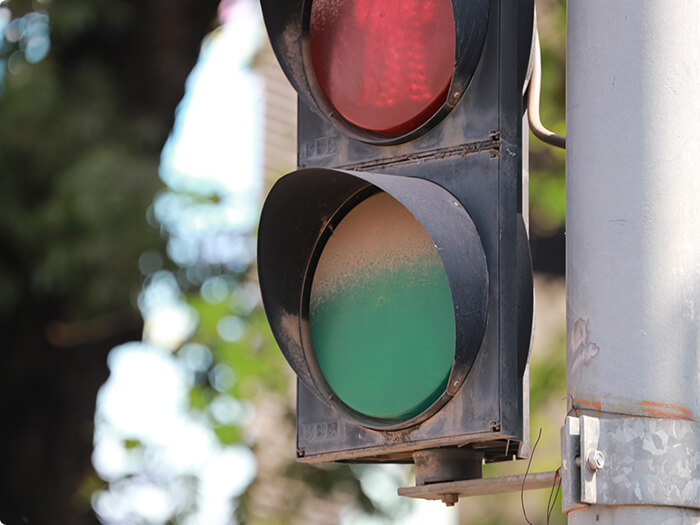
[394, 263]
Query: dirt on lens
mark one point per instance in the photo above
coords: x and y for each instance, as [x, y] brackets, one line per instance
[381, 314]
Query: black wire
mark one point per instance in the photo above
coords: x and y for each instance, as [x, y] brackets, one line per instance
[574, 409]
[522, 487]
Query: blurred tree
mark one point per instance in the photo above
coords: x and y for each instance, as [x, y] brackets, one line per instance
[229, 359]
[80, 139]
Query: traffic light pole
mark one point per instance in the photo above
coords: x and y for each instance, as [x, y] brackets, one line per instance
[631, 443]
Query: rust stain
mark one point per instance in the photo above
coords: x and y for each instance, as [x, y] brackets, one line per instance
[629, 407]
[666, 410]
[593, 404]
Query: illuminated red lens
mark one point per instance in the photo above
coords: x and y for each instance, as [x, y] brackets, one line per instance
[384, 65]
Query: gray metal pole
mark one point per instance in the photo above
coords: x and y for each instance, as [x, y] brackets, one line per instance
[633, 252]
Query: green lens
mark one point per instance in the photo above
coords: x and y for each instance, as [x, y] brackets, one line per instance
[381, 314]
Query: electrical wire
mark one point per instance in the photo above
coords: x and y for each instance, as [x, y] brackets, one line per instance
[527, 470]
[552, 502]
[533, 101]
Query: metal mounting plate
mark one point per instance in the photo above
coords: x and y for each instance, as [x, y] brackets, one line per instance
[451, 491]
[647, 461]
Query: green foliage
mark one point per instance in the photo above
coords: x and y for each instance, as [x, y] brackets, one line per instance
[76, 181]
[548, 376]
[131, 444]
[78, 168]
[228, 434]
[253, 356]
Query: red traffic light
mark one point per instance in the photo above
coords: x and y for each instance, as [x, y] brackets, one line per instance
[384, 66]
[382, 72]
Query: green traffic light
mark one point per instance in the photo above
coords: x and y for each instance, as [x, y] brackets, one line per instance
[381, 312]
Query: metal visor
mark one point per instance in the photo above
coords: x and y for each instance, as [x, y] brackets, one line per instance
[376, 290]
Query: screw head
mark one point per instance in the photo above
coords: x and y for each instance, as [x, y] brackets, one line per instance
[595, 460]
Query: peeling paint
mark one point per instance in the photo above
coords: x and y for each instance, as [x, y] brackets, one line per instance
[582, 349]
[290, 342]
[578, 403]
[666, 410]
[608, 404]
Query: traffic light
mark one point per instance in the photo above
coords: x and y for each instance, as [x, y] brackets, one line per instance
[394, 263]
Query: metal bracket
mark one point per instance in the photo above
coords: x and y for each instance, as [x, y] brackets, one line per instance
[630, 461]
[570, 471]
[450, 492]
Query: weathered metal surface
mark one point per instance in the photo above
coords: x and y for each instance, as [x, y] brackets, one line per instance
[633, 266]
[570, 471]
[632, 191]
[648, 461]
[453, 490]
[597, 403]
[446, 464]
[630, 461]
[632, 515]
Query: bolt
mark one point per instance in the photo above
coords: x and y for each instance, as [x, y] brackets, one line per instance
[455, 95]
[450, 499]
[595, 460]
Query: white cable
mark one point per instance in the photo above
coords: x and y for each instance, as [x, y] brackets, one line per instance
[533, 102]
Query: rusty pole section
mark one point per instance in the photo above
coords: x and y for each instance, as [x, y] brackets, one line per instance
[633, 261]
